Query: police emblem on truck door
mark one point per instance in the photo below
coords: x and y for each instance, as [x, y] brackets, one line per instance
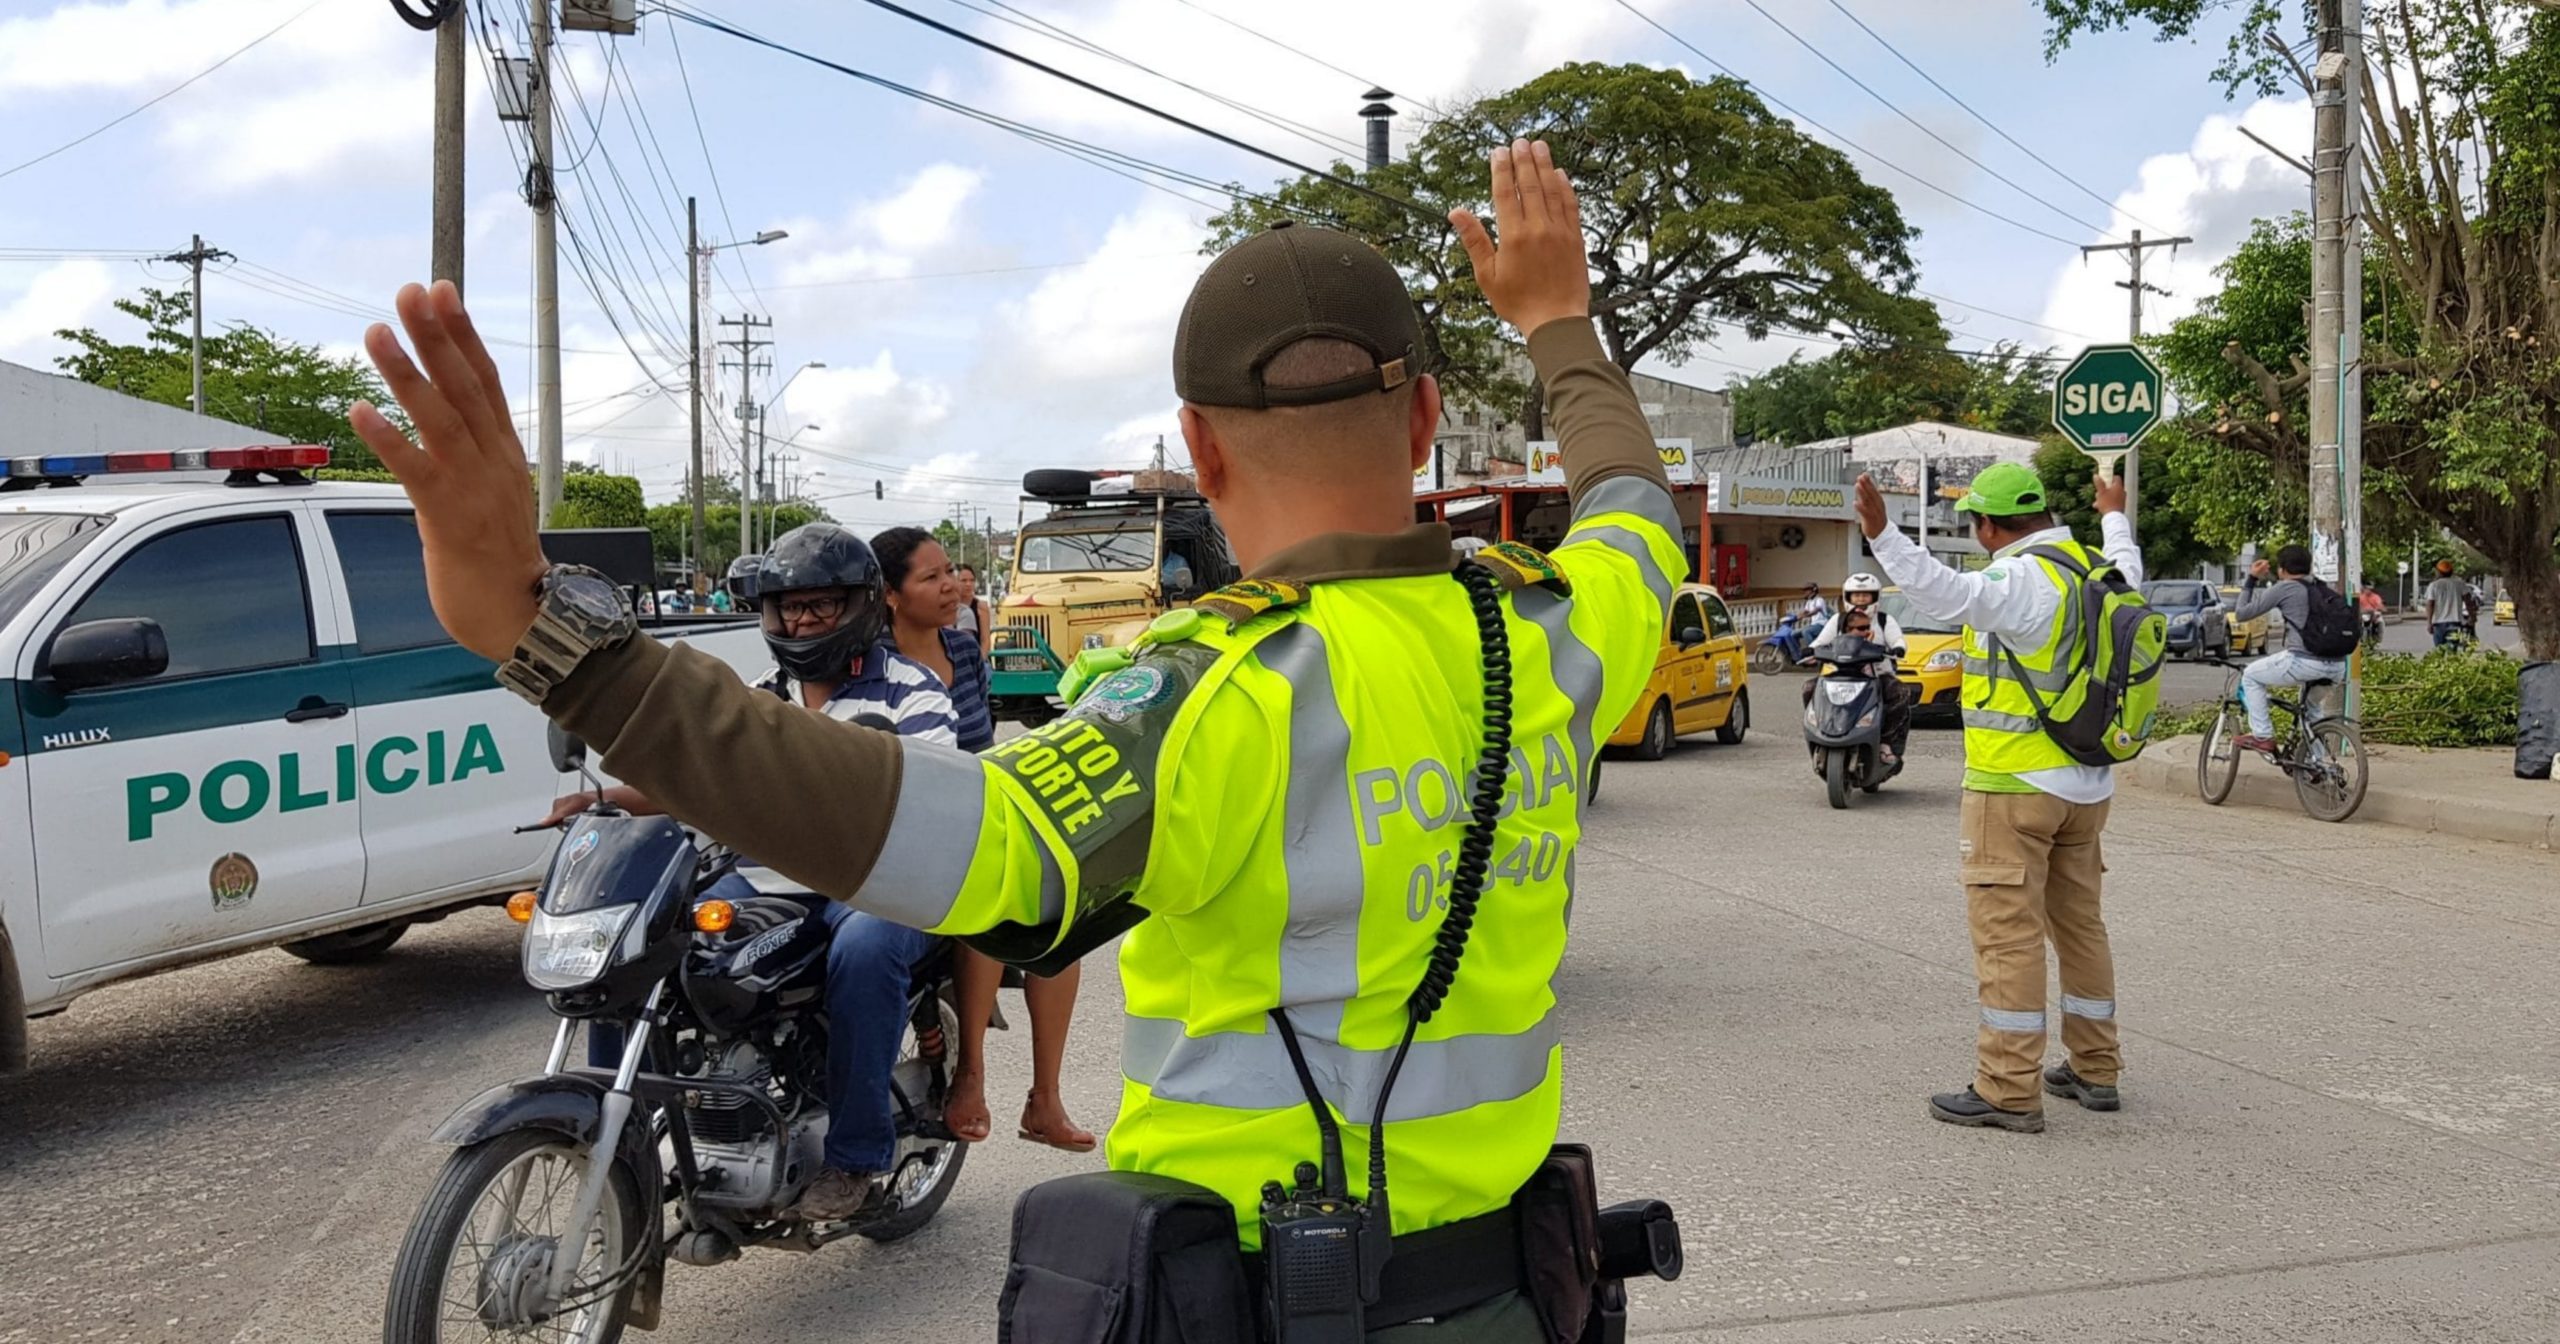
[234, 880]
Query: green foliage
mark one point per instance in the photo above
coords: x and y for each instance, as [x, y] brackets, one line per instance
[2246, 62]
[372, 475]
[670, 524]
[2171, 547]
[966, 547]
[2447, 698]
[593, 499]
[1861, 391]
[1705, 212]
[251, 376]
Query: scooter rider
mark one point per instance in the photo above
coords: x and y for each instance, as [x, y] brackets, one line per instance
[1236, 800]
[818, 592]
[1860, 593]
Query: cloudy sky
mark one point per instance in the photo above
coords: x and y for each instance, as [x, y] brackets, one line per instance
[984, 304]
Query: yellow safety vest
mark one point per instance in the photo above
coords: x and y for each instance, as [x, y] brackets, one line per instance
[1283, 781]
[2002, 736]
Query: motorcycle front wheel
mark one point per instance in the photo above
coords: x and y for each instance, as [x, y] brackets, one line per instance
[1767, 660]
[476, 1263]
[1835, 778]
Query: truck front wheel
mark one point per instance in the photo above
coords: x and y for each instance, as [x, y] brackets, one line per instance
[349, 946]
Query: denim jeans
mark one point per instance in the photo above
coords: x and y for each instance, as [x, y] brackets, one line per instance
[869, 967]
[2286, 667]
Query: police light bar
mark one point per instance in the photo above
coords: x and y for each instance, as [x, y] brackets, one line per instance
[279, 457]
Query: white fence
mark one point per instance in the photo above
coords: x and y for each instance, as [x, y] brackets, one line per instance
[1757, 618]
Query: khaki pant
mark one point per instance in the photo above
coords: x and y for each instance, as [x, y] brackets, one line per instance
[2031, 868]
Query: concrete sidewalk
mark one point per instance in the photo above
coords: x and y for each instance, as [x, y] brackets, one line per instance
[2469, 792]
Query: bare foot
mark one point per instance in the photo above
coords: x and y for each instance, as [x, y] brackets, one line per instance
[1044, 1120]
[965, 1111]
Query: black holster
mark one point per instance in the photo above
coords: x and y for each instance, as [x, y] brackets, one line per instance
[1125, 1258]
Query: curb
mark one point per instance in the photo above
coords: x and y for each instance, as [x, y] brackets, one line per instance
[2170, 767]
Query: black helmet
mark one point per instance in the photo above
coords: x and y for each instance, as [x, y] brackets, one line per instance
[821, 556]
[741, 580]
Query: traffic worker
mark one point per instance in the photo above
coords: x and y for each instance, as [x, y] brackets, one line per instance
[2032, 817]
[1279, 781]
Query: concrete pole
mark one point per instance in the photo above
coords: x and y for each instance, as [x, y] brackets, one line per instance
[2351, 332]
[2330, 134]
[546, 276]
[693, 376]
[447, 214]
[196, 360]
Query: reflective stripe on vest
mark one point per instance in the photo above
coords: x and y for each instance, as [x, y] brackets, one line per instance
[2002, 734]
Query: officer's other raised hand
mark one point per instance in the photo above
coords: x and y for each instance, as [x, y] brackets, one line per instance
[1870, 505]
[465, 473]
[1539, 272]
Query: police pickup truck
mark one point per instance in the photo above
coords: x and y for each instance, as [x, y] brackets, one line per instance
[229, 720]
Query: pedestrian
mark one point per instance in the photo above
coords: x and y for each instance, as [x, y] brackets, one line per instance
[971, 615]
[2028, 846]
[2447, 598]
[1266, 804]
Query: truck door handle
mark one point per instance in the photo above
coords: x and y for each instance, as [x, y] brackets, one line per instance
[312, 708]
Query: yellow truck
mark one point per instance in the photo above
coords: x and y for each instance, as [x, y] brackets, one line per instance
[1115, 550]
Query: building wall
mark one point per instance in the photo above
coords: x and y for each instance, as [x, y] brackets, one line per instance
[43, 413]
[1474, 438]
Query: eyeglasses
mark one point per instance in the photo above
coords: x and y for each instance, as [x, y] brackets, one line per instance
[796, 609]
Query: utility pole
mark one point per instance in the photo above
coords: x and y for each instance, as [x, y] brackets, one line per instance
[194, 259]
[446, 215]
[2132, 467]
[746, 344]
[693, 377]
[2334, 133]
[546, 273]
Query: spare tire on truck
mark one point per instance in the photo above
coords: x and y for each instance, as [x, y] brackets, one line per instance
[1058, 483]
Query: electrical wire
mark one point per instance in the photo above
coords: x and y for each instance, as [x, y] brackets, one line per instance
[1429, 106]
[717, 193]
[1996, 129]
[180, 87]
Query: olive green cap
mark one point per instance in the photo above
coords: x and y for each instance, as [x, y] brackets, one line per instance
[2004, 490]
[1280, 287]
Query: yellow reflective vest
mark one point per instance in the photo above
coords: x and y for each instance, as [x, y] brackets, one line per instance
[2002, 736]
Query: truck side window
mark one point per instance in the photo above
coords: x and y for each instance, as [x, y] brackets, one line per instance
[386, 580]
[229, 595]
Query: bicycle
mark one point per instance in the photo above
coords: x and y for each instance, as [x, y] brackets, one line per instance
[2322, 753]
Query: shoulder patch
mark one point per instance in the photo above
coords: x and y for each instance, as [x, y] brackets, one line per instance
[1520, 566]
[1240, 602]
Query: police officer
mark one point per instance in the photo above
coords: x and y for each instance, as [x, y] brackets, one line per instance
[2033, 817]
[1280, 783]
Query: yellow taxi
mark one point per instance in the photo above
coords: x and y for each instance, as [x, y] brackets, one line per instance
[1932, 655]
[2250, 637]
[1700, 681]
[2504, 613]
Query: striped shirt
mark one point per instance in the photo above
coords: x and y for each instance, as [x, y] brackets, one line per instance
[975, 721]
[890, 684]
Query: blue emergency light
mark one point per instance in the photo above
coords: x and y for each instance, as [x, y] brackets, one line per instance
[279, 457]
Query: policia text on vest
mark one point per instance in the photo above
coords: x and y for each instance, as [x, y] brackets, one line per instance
[1206, 797]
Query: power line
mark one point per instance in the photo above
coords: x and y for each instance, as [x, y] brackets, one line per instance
[1852, 145]
[2008, 317]
[181, 86]
[1896, 109]
[978, 271]
[717, 194]
[1310, 57]
[2085, 189]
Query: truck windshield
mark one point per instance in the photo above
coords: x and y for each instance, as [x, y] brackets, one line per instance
[1130, 547]
[32, 547]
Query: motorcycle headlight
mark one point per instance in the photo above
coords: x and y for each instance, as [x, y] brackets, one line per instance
[566, 951]
[1946, 658]
[1842, 692]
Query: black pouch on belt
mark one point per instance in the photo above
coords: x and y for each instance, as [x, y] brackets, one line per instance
[1121, 1257]
[1559, 1214]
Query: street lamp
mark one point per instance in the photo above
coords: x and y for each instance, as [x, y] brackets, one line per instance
[751, 456]
[694, 251]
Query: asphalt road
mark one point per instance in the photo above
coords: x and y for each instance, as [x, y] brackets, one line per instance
[2342, 1119]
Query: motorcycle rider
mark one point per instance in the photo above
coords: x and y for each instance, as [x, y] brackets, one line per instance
[1815, 611]
[1860, 593]
[820, 596]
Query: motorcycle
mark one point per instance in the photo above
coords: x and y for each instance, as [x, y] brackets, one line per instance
[1844, 721]
[1787, 646]
[550, 1219]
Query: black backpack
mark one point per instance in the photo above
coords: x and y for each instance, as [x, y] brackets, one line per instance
[2330, 627]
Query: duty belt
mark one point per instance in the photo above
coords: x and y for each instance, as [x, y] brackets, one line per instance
[1439, 1270]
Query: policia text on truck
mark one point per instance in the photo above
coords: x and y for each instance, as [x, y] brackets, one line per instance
[1202, 799]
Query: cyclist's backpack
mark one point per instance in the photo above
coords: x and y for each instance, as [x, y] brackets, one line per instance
[2105, 714]
[2330, 628]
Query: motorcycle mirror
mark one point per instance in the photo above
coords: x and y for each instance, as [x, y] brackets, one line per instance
[568, 753]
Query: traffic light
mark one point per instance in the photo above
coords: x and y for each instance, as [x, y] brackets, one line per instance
[879, 490]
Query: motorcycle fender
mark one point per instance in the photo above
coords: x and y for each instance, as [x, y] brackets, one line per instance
[569, 1104]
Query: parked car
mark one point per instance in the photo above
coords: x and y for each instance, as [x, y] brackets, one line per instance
[2504, 613]
[2200, 624]
[1701, 681]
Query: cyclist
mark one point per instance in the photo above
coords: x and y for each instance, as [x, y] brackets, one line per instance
[2296, 664]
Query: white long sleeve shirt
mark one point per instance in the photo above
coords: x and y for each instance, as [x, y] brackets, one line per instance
[2017, 603]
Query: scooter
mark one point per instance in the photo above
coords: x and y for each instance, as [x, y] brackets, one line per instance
[1788, 646]
[1844, 722]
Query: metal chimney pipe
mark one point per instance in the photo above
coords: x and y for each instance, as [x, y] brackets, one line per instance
[1376, 114]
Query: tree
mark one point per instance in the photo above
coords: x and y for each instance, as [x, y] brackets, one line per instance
[966, 547]
[1860, 391]
[1704, 211]
[590, 498]
[251, 376]
[670, 524]
[2173, 536]
[2462, 353]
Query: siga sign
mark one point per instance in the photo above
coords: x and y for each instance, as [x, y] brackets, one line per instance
[2107, 398]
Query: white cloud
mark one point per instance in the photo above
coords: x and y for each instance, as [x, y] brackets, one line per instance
[1113, 317]
[70, 294]
[2212, 192]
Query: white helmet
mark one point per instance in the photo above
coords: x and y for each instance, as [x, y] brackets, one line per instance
[1862, 583]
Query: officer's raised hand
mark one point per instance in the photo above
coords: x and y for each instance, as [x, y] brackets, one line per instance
[1539, 272]
[465, 473]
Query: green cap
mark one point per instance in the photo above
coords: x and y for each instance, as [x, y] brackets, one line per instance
[1277, 288]
[2004, 490]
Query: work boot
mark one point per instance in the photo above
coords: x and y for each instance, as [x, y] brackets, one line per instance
[838, 1195]
[2062, 1082]
[2253, 742]
[1968, 1108]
